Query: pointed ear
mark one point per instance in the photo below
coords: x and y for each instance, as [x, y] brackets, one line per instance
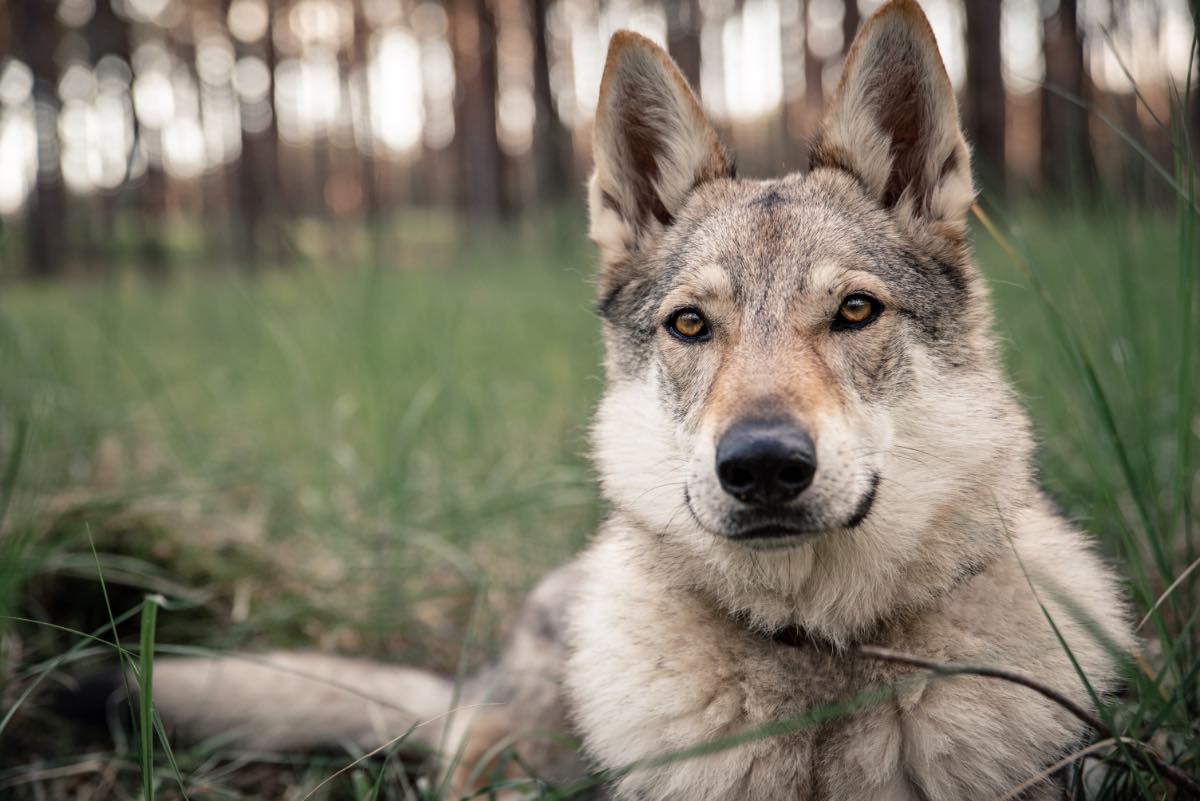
[894, 125]
[652, 146]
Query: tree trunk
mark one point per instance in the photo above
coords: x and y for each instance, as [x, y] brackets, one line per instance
[684, 21]
[1194, 123]
[794, 108]
[259, 199]
[851, 19]
[109, 34]
[814, 68]
[984, 112]
[1066, 158]
[550, 140]
[1131, 176]
[36, 35]
[482, 168]
[367, 164]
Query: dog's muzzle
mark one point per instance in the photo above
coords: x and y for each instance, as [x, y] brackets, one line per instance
[766, 467]
[766, 464]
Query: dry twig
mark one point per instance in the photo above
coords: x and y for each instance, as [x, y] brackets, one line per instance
[1188, 787]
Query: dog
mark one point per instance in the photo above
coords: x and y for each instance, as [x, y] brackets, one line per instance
[809, 445]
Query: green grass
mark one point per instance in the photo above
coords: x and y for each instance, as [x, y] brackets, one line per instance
[349, 457]
[364, 411]
[1101, 342]
[346, 457]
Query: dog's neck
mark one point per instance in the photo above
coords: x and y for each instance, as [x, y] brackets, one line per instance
[795, 635]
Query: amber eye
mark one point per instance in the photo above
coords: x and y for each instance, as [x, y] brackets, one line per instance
[857, 311]
[688, 324]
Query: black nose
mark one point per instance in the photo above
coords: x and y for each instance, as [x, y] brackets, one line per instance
[765, 463]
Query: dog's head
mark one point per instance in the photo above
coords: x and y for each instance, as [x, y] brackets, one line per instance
[791, 360]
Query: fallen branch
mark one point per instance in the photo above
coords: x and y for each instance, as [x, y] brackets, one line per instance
[1140, 751]
[1182, 576]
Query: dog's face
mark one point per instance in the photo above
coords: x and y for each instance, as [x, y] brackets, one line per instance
[776, 347]
[776, 332]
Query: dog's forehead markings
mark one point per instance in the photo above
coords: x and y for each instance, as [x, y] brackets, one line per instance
[770, 199]
[702, 281]
[710, 279]
[778, 240]
[828, 274]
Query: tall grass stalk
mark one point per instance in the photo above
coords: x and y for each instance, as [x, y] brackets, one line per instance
[146, 695]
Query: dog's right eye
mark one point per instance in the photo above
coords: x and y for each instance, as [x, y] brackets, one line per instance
[688, 325]
[857, 311]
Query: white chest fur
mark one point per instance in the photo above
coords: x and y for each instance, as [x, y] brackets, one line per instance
[656, 671]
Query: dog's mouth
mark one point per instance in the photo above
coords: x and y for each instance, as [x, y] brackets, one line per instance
[769, 530]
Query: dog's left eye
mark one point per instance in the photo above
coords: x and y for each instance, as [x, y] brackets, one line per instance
[856, 311]
[689, 325]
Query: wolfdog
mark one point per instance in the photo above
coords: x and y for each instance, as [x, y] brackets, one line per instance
[808, 445]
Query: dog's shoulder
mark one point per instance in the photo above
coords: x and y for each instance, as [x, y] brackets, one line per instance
[1046, 608]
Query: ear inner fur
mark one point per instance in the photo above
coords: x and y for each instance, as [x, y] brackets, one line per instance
[893, 122]
[653, 146]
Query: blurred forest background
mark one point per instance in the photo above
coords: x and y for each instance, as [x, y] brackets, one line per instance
[137, 131]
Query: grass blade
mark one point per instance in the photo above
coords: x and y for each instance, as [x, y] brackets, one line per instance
[8, 484]
[146, 694]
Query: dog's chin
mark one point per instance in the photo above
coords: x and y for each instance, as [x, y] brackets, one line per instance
[793, 528]
[774, 538]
